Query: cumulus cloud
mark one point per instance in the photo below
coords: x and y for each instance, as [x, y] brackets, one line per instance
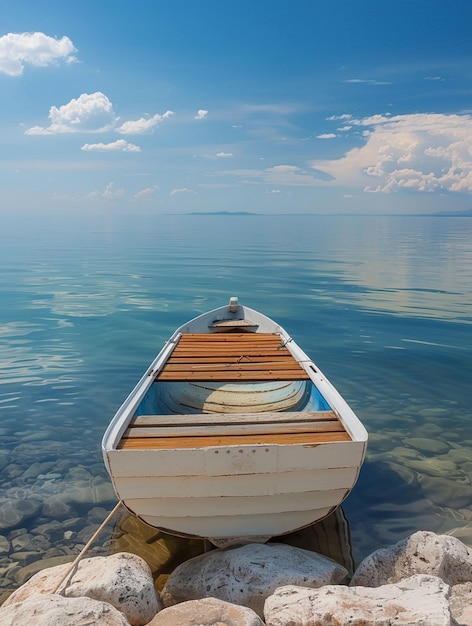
[425, 152]
[116, 146]
[201, 114]
[143, 125]
[93, 113]
[89, 113]
[224, 155]
[37, 49]
[107, 193]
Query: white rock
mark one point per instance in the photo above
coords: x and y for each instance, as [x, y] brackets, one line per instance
[54, 610]
[416, 601]
[460, 604]
[123, 580]
[421, 553]
[248, 574]
[206, 612]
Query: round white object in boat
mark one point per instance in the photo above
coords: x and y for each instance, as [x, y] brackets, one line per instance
[208, 397]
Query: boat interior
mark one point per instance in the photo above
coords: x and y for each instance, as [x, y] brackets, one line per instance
[232, 366]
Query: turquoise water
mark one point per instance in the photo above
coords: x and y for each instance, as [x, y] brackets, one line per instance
[382, 304]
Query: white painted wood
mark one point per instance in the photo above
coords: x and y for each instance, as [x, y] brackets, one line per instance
[243, 526]
[234, 506]
[330, 455]
[216, 461]
[240, 485]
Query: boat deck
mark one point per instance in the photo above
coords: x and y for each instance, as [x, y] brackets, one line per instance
[224, 429]
[231, 357]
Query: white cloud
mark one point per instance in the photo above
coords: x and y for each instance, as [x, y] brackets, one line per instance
[38, 49]
[224, 155]
[425, 152]
[363, 81]
[283, 169]
[89, 113]
[108, 193]
[120, 145]
[143, 125]
[344, 116]
[181, 190]
[93, 113]
[326, 136]
[201, 114]
[146, 193]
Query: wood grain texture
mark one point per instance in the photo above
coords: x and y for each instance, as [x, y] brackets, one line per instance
[249, 357]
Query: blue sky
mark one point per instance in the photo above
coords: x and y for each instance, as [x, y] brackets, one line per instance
[275, 106]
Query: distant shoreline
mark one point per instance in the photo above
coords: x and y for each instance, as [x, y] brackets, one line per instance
[467, 213]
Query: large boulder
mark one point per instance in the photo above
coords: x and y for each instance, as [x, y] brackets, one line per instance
[206, 612]
[418, 600]
[421, 553]
[55, 610]
[123, 580]
[248, 574]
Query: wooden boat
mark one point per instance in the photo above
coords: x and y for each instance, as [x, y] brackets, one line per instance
[233, 434]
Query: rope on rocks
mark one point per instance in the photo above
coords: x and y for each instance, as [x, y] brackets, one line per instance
[79, 557]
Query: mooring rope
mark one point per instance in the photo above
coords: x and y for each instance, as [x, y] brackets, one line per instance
[79, 557]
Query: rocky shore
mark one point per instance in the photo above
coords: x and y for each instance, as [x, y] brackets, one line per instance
[423, 580]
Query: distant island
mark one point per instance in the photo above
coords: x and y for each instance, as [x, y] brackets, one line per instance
[466, 213]
[222, 213]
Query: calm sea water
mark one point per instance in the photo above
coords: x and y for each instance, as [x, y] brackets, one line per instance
[382, 304]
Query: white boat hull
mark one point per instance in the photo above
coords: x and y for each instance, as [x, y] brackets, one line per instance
[233, 491]
[231, 481]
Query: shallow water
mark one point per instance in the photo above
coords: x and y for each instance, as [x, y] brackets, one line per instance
[382, 304]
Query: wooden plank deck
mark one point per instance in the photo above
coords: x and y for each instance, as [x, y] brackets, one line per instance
[224, 429]
[172, 443]
[226, 357]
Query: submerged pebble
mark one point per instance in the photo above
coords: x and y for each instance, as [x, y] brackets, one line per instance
[433, 466]
[446, 492]
[15, 512]
[427, 446]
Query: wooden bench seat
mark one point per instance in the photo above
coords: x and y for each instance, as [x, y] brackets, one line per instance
[214, 429]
